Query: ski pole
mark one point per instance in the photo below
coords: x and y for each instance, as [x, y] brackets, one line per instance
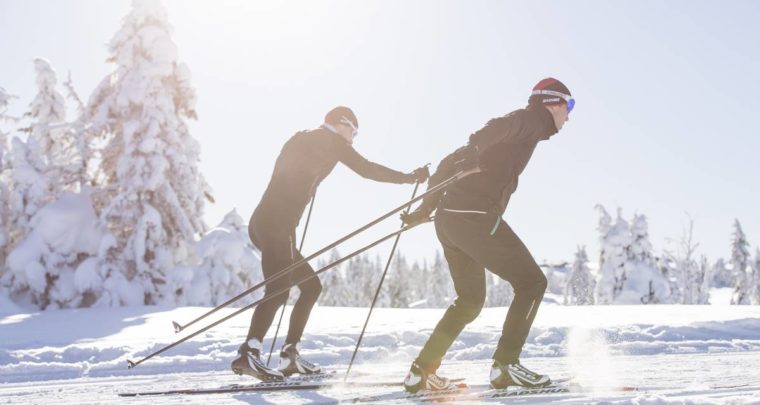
[300, 248]
[178, 328]
[132, 364]
[377, 291]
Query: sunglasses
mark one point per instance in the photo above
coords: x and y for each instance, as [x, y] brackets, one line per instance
[354, 128]
[569, 100]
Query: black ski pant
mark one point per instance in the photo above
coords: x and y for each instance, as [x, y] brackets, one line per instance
[472, 242]
[278, 251]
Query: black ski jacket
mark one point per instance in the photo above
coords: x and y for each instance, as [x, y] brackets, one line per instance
[503, 147]
[304, 161]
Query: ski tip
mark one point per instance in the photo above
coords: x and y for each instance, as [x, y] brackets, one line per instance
[130, 364]
[177, 327]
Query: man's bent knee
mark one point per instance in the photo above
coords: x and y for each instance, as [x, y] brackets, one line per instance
[467, 311]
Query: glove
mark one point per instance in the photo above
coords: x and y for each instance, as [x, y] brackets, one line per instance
[416, 217]
[420, 175]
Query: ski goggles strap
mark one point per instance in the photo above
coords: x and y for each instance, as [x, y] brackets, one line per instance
[569, 100]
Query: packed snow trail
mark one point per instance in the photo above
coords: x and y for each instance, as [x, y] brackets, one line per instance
[671, 353]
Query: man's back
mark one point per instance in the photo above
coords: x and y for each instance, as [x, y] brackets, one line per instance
[506, 144]
[304, 161]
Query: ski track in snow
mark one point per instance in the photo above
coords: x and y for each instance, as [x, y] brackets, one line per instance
[673, 354]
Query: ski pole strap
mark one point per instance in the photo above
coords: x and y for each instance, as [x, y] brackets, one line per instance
[287, 270]
[134, 364]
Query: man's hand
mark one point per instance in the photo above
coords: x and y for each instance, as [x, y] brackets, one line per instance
[415, 217]
[419, 175]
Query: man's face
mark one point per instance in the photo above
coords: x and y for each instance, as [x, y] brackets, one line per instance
[347, 129]
[346, 132]
[560, 114]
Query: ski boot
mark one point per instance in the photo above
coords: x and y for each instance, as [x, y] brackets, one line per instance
[291, 362]
[419, 379]
[249, 363]
[514, 374]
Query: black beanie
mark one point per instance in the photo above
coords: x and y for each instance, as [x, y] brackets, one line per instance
[550, 84]
[338, 113]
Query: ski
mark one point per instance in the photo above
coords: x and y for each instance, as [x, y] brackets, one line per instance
[306, 382]
[463, 392]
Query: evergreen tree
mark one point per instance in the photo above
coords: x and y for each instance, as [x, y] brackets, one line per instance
[580, 286]
[721, 275]
[499, 293]
[442, 288]
[378, 265]
[419, 283]
[43, 277]
[359, 284]
[740, 264]
[373, 270]
[52, 265]
[692, 277]
[228, 265]
[644, 283]
[628, 270]
[5, 214]
[30, 187]
[755, 290]
[703, 297]
[333, 285]
[61, 147]
[399, 290]
[556, 277]
[153, 190]
[614, 239]
[421, 278]
[48, 112]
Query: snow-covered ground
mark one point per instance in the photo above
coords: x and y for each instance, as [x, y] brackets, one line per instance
[672, 354]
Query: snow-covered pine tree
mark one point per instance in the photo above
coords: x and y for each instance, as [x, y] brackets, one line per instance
[359, 284]
[61, 146]
[48, 251]
[721, 275]
[499, 293]
[229, 264]
[614, 240]
[669, 269]
[421, 280]
[372, 271]
[5, 215]
[556, 277]
[689, 274]
[48, 113]
[740, 266]
[378, 265]
[30, 187]
[51, 266]
[419, 288]
[644, 283]
[333, 284]
[703, 296]
[399, 290]
[154, 192]
[755, 290]
[441, 287]
[580, 286]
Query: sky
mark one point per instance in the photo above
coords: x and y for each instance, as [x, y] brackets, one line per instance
[665, 122]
